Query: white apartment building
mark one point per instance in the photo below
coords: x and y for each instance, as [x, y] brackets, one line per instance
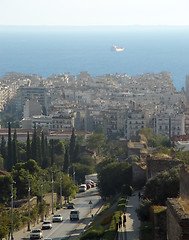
[169, 124]
[37, 93]
[135, 120]
[32, 107]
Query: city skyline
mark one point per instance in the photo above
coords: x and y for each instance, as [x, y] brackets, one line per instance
[94, 13]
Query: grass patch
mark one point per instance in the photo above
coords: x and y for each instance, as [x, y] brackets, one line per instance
[104, 224]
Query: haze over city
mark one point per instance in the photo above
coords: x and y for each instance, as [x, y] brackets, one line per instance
[83, 12]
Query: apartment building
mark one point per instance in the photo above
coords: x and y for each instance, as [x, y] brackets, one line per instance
[169, 124]
[135, 120]
[37, 93]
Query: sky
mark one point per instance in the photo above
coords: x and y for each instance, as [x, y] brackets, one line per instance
[94, 12]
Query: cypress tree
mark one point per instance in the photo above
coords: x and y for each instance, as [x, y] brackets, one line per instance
[34, 145]
[72, 146]
[66, 162]
[3, 151]
[28, 147]
[45, 160]
[14, 149]
[38, 156]
[9, 159]
[42, 145]
[52, 151]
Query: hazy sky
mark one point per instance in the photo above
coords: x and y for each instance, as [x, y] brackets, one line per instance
[94, 12]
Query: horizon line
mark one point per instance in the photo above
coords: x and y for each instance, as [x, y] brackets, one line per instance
[134, 25]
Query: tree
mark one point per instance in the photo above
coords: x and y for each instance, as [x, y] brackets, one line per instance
[9, 159]
[28, 147]
[81, 170]
[113, 176]
[3, 151]
[5, 188]
[34, 145]
[95, 141]
[66, 162]
[22, 172]
[46, 159]
[72, 146]
[52, 151]
[1, 163]
[14, 148]
[164, 185]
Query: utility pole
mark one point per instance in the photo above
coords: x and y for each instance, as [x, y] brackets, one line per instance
[52, 194]
[12, 222]
[29, 203]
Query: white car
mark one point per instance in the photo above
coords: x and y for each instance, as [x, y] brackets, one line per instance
[36, 234]
[57, 218]
[47, 224]
[83, 188]
[74, 215]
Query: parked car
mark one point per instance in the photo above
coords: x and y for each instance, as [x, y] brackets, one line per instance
[47, 224]
[74, 215]
[82, 188]
[57, 218]
[71, 205]
[36, 234]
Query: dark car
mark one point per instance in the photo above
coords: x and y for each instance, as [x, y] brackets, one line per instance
[71, 206]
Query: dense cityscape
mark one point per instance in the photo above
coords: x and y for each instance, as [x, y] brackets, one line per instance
[129, 135]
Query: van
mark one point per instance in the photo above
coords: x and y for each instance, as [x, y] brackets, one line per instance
[82, 188]
[74, 215]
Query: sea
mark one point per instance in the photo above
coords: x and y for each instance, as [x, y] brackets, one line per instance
[47, 50]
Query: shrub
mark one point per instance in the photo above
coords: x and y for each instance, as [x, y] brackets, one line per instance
[93, 234]
[106, 220]
[143, 211]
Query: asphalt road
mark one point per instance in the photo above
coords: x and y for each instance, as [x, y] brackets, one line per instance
[68, 228]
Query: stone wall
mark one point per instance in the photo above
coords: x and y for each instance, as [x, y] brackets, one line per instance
[160, 225]
[155, 165]
[138, 173]
[177, 221]
[184, 183]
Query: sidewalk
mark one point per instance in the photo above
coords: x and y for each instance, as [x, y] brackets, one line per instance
[131, 231]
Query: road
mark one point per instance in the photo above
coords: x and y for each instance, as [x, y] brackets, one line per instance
[68, 228]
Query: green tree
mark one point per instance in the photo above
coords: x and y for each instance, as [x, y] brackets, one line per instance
[9, 159]
[22, 172]
[113, 176]
[4, 151]
[52, 151]
[1, 163]
[46, 159]
[34, 144]
[66, 162]
[28, 147]
[164, 185]
[72, 146]
[14, 148]
[81, 170]
[5, 188]
[95, 141]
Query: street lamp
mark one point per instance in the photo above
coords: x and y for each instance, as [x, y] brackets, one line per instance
[60, 189]
[52, 194]
[74, 175]
[12, 198]
[29, 203]
[41, 198]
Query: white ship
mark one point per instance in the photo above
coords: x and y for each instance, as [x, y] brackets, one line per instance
[117, 49]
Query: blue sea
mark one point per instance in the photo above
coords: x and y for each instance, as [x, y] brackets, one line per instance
[52, 50]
